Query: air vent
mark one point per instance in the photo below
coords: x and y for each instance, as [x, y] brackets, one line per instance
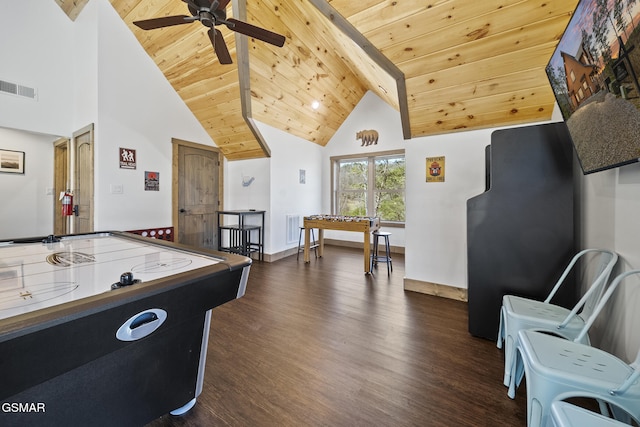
[17, 89]
[293, 227]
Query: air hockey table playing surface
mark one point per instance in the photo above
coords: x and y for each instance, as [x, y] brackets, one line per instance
[79, 345]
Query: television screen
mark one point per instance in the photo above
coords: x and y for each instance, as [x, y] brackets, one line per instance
[594, 74]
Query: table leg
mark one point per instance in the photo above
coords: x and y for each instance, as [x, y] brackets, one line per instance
[367, 253]
[307, 237]
[320, 242]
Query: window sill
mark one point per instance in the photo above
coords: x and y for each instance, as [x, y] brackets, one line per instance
[390, 224]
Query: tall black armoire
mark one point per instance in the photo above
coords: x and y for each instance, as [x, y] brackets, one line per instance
[520, 232]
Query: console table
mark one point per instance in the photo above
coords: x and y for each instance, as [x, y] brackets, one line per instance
[241, 235]
[364, 225]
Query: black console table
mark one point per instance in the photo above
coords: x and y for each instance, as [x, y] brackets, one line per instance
[242, 235]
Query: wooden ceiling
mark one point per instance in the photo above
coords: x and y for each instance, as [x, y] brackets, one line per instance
[445, 65]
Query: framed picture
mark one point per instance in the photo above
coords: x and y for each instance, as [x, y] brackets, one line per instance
[11, 161]
[435, 169]
[151, 181]
[127, 158]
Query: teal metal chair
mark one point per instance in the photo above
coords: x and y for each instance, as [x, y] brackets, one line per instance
[558, 369]
[564, 414]
[518, 313]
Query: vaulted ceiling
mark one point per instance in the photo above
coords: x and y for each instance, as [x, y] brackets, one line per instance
[445, 65]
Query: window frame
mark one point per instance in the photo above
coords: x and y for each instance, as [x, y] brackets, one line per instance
[370, 157]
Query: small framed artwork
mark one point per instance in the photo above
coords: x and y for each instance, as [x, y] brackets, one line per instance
[151, 181]
[11, 161]
[127, 158]
[435, 169]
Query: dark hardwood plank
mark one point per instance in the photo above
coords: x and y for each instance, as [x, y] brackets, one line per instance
[321, 344]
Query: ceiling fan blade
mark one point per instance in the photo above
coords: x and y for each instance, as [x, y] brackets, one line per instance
[165, 21]
[255, 32]
[219, 46]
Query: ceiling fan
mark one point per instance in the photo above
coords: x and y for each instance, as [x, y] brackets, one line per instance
[211, 13]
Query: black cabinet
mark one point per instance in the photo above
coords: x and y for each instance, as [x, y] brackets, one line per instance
[520, 232]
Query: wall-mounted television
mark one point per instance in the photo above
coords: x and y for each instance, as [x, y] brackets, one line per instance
[594, 73]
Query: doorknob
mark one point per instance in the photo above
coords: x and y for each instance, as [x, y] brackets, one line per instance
[182, 210]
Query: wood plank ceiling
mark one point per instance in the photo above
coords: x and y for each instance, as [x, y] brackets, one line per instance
[446, 65]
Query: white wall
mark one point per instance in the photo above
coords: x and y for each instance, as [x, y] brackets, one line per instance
[290, 154]
[434, 236]
[610, 206]
[276, 187]
[27, 200]
[436, 229]
[37, 51]
[85, 71]
[137, 109]
[92, 71]
[256, 194]
[370, 113]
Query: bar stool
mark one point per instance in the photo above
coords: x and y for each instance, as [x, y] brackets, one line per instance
[313, 244]
[375, 257]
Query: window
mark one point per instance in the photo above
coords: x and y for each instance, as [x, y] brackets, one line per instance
[370, 186]
[573, 76]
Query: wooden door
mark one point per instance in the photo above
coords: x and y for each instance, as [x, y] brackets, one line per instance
[83, 180]
[197, 189]
[61, 183]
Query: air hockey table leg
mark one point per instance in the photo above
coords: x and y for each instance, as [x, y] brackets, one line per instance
[203, 358]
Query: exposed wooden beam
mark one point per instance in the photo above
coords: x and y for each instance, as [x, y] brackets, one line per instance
[244, 76]
[72, 7]
[382, 61]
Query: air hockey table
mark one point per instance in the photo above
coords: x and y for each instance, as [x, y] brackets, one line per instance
[106, 328]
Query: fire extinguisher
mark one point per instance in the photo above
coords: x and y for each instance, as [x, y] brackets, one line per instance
[67, 203]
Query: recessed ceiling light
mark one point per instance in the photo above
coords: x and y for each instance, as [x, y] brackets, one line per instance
[315, 105]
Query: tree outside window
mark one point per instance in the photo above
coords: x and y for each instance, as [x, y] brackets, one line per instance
[370, 186]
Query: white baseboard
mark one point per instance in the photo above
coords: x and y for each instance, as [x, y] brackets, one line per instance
[360, 245]
[331, 242]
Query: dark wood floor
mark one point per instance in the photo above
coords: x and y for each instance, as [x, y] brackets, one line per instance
[321, 344]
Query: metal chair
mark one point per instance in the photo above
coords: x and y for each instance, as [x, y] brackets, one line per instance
[375, 257]
[564, 414]
[519, 313]
[559, 369]
[313, 244]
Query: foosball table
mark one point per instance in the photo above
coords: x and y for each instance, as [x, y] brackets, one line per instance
[365, 225]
